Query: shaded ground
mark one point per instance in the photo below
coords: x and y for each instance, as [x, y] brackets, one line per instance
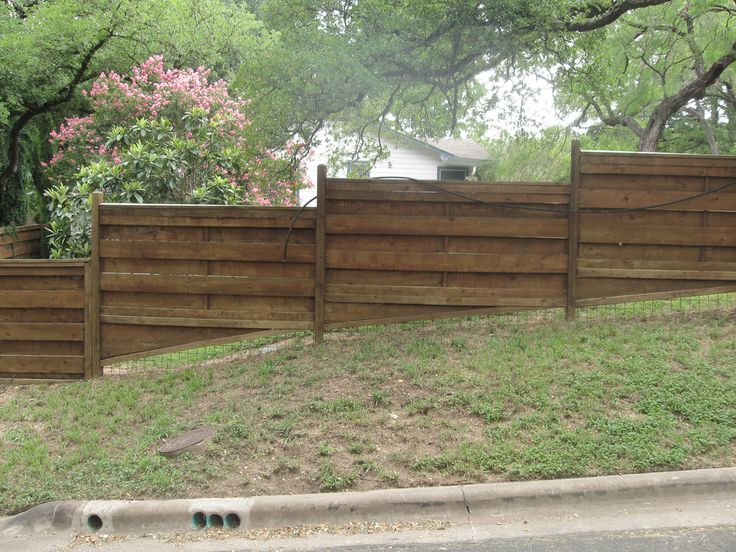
[418, 404]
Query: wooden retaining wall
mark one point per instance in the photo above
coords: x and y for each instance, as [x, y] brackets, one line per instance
[44, 320]
[628, 227]
[20, 242]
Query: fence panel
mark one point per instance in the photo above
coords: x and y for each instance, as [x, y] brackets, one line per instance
[686, 245]
[42, 320]
[405, 250]
[177, 275]
[21, 242]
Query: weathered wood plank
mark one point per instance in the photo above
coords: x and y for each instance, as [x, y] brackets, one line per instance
[514, 188]
[656, 274]
[42, 348]
[612, 287]
[658, 235]
[445, 262]
[211, 251]
[405, 295]
[622, 182]
[251, 314]
[40, 331]
[615, 199]
[41, 364]
[219, 285]
[206, 322]
[123, 339]
[42, 315]
[62, 299]
[446, 226]
[32, 282]
[647, 264]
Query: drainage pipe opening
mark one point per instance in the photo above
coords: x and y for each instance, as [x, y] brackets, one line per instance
[232, 521]
[214, 521]
[94, 523]
[199, 520]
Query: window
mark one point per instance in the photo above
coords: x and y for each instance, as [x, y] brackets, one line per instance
[358, 169]
[452, 173]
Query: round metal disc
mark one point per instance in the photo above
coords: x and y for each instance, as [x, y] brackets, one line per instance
[186, 441]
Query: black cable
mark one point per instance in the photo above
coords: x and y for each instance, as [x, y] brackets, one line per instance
[523, 207]
[554, 209]
[291, 227]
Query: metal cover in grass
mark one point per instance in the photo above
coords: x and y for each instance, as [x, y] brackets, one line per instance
[191, 441]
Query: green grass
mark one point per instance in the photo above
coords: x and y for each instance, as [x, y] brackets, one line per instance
[415, 404]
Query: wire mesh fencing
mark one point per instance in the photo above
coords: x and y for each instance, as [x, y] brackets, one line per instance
[718, 305]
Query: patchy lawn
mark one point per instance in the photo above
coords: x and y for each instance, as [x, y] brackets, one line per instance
[418, 404]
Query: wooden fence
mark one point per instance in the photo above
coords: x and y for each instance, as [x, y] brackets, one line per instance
[45, 320]
[164, 277]
[20, 242]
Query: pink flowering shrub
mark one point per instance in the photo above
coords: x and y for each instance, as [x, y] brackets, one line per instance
[159, 135]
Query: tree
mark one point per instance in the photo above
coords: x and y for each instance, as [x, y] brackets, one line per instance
[50, 48]
[649, 68]
[158, 135]
[410, 65]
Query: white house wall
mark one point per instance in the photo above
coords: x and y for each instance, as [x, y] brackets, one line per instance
[417, 163]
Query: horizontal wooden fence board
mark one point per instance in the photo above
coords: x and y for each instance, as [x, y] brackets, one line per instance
[664, 169]
[659, 235]
[445, 226]
[123, 339]
[41, 364]
[450, 262]
[213, 251]
[655, 296]
[9, 236]
[656, 274]
[41, 299]
[639, 251]
[646, 264]
[204, 322]
[44, 348]
[409, 295]
[670, 183]
[615, 199]
[49, 315]
[21, 249]
[644, 218]
[612, 287]
[220, 285]
[209, 314]
[501, 246]
[432, 196]
[39, 331]
[24, 283]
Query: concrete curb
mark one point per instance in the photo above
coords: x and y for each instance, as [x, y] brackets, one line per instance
[460, 503]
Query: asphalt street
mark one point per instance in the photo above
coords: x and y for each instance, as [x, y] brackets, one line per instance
[699, 539]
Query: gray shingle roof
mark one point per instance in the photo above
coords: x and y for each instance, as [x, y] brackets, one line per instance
[463, 148]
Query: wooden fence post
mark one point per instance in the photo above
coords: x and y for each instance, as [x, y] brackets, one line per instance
[319, 260]
[94, 288]
[573, 232]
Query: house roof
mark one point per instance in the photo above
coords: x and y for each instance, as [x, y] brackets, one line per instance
[466, 148]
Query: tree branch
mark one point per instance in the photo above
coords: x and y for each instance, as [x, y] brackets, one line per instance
[617, 9]
[674, 103]
[61, 96]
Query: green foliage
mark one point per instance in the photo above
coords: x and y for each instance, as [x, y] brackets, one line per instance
[526, 158]
[621, 75]
[51, 49]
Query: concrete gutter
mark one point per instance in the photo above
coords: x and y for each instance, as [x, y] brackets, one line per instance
[460, 503]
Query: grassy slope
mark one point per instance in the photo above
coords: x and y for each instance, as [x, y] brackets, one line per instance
[442, 403]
